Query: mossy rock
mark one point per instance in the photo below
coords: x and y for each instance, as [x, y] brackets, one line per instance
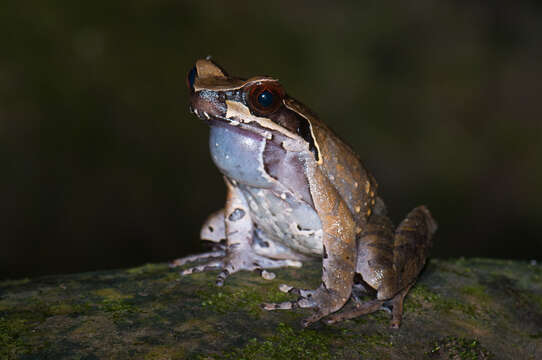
[459, 309]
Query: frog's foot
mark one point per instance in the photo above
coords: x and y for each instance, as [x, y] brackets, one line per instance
[357, 308]
[234, 261]
[322, 300]
[397, 303]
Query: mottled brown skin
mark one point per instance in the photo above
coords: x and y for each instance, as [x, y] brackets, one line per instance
[358, 245]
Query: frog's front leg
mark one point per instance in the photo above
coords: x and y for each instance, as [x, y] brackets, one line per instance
[338, 259]
[213, 230]
[238, 253]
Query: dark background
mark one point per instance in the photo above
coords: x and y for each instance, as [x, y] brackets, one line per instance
[104, 167]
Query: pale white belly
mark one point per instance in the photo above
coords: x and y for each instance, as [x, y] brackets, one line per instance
[286, 220]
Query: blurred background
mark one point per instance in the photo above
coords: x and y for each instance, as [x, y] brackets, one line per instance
[104, 167]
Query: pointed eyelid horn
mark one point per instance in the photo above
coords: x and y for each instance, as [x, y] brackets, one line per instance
[211, 76]
[208, 69]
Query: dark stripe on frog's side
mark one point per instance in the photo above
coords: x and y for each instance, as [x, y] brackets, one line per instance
[296, 124]
[304, 131]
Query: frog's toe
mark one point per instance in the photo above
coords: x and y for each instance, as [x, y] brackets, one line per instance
[293, 290]
[320, 299]
[216, 253]
[213, 265]
[354, 310]
[305, 299]
[222, 277]
[288, 305]
[267, 275]
[318, 315]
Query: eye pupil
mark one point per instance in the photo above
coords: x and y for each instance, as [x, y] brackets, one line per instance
[265, 99]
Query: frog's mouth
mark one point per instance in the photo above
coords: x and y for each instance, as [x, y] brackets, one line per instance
[234, 123]
[203, 115]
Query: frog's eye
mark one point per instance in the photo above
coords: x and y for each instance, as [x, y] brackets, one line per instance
[265, 98]
[191, 77]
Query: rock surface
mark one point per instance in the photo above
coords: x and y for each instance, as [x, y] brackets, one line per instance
[459, 309]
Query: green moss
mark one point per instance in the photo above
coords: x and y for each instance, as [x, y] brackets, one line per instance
[5, 305]
[421, 296]
[61, 309]
[93, 327]
[68, 309]
[286, 344]
[111, 294]
[14, 282]
[165, 352]
[142, 316]
[11, 338]
[423, 292]
[478, 291]
[147, 268]
[118, 309]
[453, 304]
[460, 270]
[114, 303]
[378, 317]
[249, 300]
[83, 308]
[460, 348]
[368, 344]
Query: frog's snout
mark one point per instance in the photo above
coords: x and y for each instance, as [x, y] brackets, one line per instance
[207, 104]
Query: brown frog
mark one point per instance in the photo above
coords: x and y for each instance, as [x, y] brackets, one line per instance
[295, 192]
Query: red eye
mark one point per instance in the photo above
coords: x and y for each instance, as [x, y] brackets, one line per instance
[265, 98]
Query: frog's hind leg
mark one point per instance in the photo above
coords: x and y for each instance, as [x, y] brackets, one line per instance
[412, 242]
[356, 308]
[390, 262]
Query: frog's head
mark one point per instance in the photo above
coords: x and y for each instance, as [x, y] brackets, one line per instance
[258, 104]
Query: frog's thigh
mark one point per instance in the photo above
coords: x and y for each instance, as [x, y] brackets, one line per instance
[412, 242]
[375, 254]
[391, 261]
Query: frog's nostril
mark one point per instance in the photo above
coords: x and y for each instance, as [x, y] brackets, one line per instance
[191, 78]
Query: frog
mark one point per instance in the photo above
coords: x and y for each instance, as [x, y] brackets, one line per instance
[296, 192]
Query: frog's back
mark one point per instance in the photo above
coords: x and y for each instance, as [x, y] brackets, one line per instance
[355, 185]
